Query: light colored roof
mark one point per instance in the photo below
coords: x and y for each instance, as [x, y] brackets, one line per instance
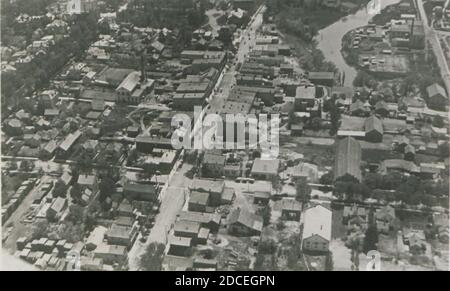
[70, 140]
[130, 82]
[290, 205]
[317, 222]
[265, 166]
[110, 249]
[303, 92]
[348, 158]
[321, 75]
[204, 185]
[97, 235]
[58, 205]
[200, 217]
[201, 198]
[436, 89]
[180, 241]
[187, 226]
[86, 180]
[400, 164]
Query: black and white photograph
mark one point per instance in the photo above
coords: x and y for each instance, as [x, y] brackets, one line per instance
[225, 135]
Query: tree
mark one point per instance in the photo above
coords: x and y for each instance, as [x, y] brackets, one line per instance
[370, 239]
[276, 184]
[72, 232]
[12, 166]
[303, 192]
[75, 192]
[26, 166]
[265, 212]
[444, 149]
[316, 123]
[267, 247]
[40, 229]
[153, 257]
[106, 187]
[438, 121]
[373, 180]
[59, 190]
[335, 116]
[364, 79]
[76, 214]
[327, 178]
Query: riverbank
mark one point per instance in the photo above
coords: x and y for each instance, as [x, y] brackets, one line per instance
[363, 48]
[329, 39]
[300, 26]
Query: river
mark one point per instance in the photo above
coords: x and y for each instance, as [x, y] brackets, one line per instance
[329, 39]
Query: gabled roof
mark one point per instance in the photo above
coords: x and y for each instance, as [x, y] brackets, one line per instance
[130, 82]
[381, 105]
[317, 222]
[373, 123]
[386, 213]
[436, 89]
[357, 105]
[246, 218]
[348, 158]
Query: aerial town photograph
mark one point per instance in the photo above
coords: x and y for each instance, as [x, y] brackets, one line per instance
[225, 135]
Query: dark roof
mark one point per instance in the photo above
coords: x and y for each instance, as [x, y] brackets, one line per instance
[348, 158]
[381, 105]
[373, 123]
[139, 188]
[245, 218]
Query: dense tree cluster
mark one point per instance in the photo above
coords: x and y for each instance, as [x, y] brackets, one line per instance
[395, 187]
[36, 75]
[153, 257]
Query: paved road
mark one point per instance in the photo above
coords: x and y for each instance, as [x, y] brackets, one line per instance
[248, 36]
[174, 197]
[433, 37]
[172, 203]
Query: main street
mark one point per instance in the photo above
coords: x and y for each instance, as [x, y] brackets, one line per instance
[433, 37]
[247, 42]
[174, 197]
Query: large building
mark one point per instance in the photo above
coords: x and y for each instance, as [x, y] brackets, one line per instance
[374, 129]
[265, 169]
[347, 159]
[305, 96]
[133, 88]
[437, 97]
[410, 35]
[242, 222]
[317, 229]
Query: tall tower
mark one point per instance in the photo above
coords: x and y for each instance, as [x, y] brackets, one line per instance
[143, 63]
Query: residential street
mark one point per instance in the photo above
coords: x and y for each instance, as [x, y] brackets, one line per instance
[433, 37]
